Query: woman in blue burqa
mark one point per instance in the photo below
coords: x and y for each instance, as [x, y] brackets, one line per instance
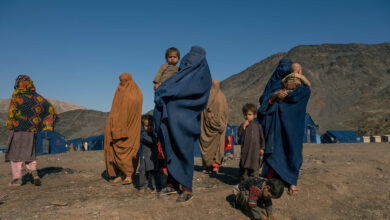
[282, 116]
[179, 102]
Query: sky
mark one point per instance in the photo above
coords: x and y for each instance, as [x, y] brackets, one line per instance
[75, 50]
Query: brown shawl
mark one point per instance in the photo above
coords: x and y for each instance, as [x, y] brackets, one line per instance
[214, 121]
[123, 128]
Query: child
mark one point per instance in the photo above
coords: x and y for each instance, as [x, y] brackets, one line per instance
[148, 170]
[252, 143]
[255, 193]
[172, 55]
[295, 78]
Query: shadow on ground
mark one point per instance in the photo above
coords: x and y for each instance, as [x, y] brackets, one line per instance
[227, 175]
[47, 171]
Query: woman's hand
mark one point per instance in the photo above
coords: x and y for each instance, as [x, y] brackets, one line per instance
[279, 95]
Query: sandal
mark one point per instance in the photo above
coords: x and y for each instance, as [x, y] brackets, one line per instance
[127, 181]
[15, 182]
[36, 180]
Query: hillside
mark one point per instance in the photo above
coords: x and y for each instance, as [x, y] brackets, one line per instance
[71, 124]
[81, 123]
[350, 85]
[59, 106]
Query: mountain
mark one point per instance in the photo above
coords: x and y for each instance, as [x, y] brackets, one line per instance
[59, 106]
[71, 124]
[81, 123]
[350, 85]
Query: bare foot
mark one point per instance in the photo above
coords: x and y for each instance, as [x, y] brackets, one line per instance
[117, 180]
[293, 190]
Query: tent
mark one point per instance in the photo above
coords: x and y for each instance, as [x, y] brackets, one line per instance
[95, 142]
[310, 131]
[77, 144]
[341, 137]
[49, 142]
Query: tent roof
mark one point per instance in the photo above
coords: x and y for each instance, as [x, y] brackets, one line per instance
[338, 133]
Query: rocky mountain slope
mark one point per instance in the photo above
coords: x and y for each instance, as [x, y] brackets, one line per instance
[81, 123]
[350, 85]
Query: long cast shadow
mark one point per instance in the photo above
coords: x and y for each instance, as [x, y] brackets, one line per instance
[47, 171]
[227, 175]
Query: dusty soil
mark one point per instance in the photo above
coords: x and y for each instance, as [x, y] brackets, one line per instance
[338, 181]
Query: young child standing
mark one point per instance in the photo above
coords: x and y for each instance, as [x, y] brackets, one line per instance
[255, 193]
[172, 55]
[252, 143]
[148, 170]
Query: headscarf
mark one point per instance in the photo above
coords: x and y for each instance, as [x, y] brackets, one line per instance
[180, 101]
[274, 83]
[212, 138]
[29, 111]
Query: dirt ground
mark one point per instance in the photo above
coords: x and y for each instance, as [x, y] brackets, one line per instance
[338, 181]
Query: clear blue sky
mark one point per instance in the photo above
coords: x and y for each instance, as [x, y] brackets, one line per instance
[74, 50]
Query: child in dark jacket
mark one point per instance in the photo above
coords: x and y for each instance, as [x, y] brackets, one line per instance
[148, 170]
[254, 195]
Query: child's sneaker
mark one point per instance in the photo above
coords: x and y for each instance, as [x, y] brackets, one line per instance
[184, 197]
[15, 182]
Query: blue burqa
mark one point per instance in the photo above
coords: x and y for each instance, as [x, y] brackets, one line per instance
[283, 125]
[179, 102]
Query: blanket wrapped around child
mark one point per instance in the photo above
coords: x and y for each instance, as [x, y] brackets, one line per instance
[283, 125]
[180, 101]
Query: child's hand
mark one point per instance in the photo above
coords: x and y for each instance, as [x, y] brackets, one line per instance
[261, 152]
[156, 85]
[246, 123]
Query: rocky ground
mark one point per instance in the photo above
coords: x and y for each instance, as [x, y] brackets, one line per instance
[338, 181]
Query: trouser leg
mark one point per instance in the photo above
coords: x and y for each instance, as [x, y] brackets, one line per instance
[142, 180]
[243, 174]
[31, 166]
[16, 167]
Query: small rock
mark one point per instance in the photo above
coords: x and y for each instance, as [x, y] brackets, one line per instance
[380, 169]
[59, 203]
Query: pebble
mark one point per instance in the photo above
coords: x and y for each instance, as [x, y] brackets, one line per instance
[59, 203]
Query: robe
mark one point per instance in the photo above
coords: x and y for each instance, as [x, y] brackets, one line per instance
[123, 129]
[214, 120]
[179, 102]
[283, 125]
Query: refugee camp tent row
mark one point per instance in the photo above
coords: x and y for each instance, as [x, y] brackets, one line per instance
[335, 136]
[48, 142]
[87, 144]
